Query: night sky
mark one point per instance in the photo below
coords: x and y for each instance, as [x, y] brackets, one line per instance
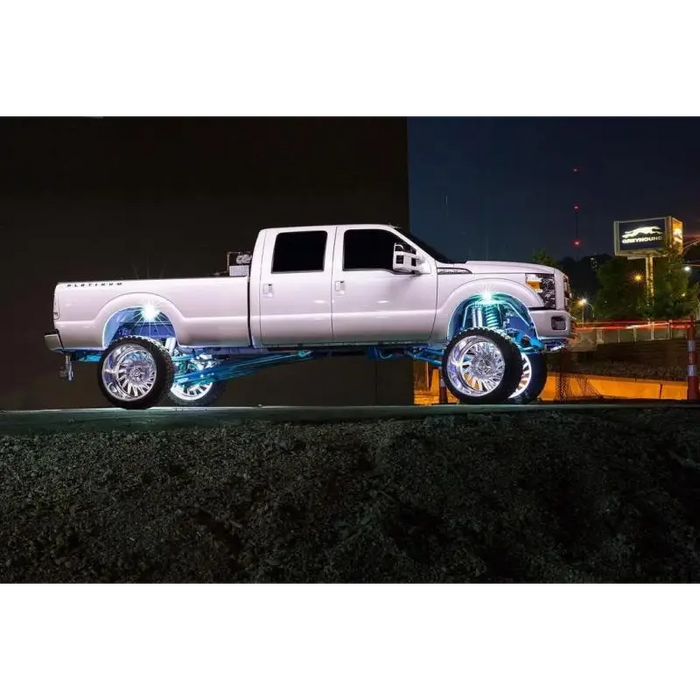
[511, 187]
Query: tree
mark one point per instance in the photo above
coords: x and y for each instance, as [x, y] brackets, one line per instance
[674, 296]
[542, 257]
[621, 292]
[583, 275]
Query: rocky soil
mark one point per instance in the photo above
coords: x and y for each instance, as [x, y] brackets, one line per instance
[561, 496]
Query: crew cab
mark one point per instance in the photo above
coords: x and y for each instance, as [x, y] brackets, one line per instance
[306, 292]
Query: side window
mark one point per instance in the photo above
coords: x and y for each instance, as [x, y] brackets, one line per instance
[370, 249]
[299, 251]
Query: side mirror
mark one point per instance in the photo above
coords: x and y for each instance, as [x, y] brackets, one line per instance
[405, 262]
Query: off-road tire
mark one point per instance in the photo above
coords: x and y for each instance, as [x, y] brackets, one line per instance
[511, 376]
[538, 379]
[213, 395]
[165, 372]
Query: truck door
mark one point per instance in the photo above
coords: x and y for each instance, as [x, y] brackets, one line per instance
[295, 286]
[371, 302]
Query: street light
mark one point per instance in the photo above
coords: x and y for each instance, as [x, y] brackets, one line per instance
[638, 277]
[583, 303]
[687, 268]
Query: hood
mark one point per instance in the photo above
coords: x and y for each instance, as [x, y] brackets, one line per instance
[497, 266]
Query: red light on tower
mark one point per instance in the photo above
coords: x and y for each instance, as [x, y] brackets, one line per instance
[577, 242]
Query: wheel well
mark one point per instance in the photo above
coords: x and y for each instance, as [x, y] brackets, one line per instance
[137, 320]
[500, 311]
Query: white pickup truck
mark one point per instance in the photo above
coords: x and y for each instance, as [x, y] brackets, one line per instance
[307, 292]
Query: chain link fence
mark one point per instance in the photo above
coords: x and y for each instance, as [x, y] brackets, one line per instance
[565, 383]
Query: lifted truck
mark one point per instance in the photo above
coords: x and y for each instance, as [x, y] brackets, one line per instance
[309, 292]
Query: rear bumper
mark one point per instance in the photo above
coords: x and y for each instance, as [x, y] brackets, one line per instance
[553, 324]
[52, 339]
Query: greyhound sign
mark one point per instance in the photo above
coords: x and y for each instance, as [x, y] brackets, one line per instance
[642, 237]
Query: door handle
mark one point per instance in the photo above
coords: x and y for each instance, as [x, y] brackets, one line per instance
[267, 289]
[340, 286]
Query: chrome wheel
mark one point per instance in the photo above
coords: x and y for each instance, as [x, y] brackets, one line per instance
[129, 372]
[526, 378]
[192, 392]
[476, 365]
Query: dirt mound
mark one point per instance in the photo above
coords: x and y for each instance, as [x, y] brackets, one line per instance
[528, 497]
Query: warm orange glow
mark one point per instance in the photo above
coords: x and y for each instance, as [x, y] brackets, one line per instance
[612, 387]
[630, 325]
[638, 277]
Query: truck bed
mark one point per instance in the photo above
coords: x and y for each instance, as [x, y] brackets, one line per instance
[210, 311]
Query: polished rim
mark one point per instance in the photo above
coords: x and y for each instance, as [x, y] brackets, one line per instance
[192, 392]
[476, 366]
[129, 372]
[525, 379]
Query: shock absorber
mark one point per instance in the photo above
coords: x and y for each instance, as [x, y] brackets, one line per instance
[482, 315]
[491, 316]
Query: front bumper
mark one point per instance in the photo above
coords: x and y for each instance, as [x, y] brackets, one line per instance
[52, 339]
[553, 324]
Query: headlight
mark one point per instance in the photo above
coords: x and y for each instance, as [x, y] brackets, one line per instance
[545, 287]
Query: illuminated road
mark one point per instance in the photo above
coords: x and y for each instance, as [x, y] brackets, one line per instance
[104, 419]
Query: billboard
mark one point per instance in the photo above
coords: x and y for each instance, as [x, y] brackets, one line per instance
[641, 237]
[677, 234]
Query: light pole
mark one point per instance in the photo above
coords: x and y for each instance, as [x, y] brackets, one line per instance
[583, 303]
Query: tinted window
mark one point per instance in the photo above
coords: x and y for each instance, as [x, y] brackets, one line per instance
[299, 251]
[370, 249]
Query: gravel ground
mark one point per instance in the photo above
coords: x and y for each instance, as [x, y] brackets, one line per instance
[526, 497]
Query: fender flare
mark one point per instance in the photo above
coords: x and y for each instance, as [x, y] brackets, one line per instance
[135, 300]
[521, 293]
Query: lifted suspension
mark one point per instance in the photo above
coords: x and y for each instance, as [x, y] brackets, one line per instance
[477, 313]
[237, 368]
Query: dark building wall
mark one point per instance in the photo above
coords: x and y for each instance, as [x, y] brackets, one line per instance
[118, 198]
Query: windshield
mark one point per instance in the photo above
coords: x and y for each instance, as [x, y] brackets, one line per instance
[436, 254]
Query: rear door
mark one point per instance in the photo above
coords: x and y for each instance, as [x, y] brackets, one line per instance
[295, 286]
